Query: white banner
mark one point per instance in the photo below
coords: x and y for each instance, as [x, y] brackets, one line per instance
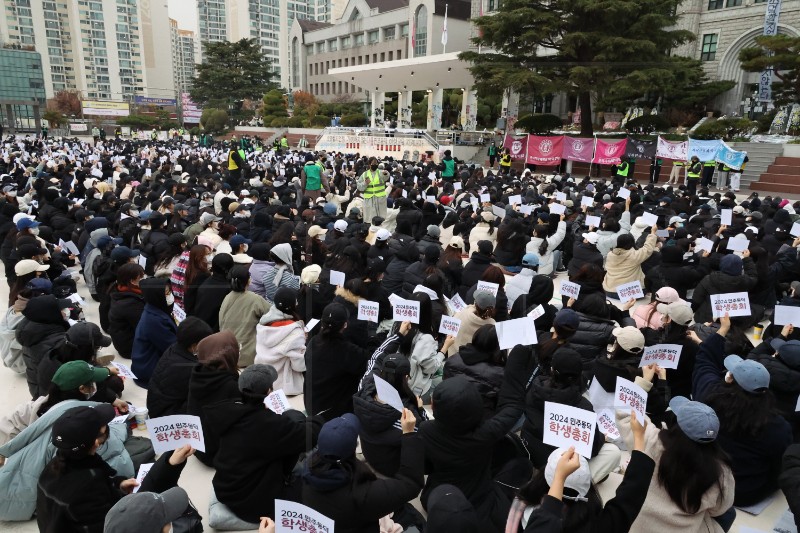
[676, 151]
[770, 28]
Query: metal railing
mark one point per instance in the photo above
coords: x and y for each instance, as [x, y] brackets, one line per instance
[407, 134]
[465, 138]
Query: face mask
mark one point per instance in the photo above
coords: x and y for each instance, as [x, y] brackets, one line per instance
[209, 259]
[374, 167]
[244, 247]
[170, 299]
[98, 196]
[12, 194]
[34, 231]
[134, 213]
[65, 313]
[88, 395]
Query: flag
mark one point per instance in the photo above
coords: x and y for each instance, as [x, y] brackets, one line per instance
[444, 27]
[413, 35]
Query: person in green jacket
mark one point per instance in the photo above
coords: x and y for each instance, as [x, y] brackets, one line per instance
[492, 153]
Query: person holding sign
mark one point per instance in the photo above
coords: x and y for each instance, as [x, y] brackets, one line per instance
[675, 320]
[258, 449]
[693, 486]
[156, 329]
[338, 485]
[736, 274]
[624, 262]
[494, 276]
[484, 230]
[612, 229]
[281, 342]
[474, 316]
[544, 245]
[482, 363]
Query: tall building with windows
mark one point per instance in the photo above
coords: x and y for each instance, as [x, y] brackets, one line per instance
[212, 20]
[184, 56]
[105, 49]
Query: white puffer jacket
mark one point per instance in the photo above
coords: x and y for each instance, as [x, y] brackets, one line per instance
[283, 347]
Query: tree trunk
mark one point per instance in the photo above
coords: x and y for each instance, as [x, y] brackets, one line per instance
[585, 103]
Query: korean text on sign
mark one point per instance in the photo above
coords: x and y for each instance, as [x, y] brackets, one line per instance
[733, 303]
[566, 426]
[368, 310]
[406, 310]
[449, 325]
[629, 395]
[664, 355]
[172, 432]
[291, 516]
[570, 290]
[277, 402]
[630, 291]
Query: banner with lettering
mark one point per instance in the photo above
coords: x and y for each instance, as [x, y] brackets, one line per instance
[730, 157]
[545, 151]
[770, 28]
[636, 149]
[704, 150]
[517, 147]
[676, 151]
[609, 153]
[578, 149]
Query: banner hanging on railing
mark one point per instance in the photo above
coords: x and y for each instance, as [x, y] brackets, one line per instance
[517, 147]
[545, 151]
[676, 151]
[636, 149]
[730, 157]
[704, 150]
[578, 149]
[609, 153]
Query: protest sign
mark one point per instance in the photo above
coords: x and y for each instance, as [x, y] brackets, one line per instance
[144, 468]
[499, 212]
[795, 231]
[526, 209]
[561, 196]
[537, 312]
[733, 303]
[515, 199]
[171, 432]
[704, 244]
[368, 310]
[726, 217]
[69, 246]
[738, 245]
[387, 393]
[650, 219]
[587, 201]
[786, 314]
[311, 323]
[406, 310]
[592, 221]
[121, 419]
[124, 370]
[485, 198]
[430, 199]
[449, 325]
[570, 289]
[487, 286]
[607, 424]
[337, 278]
[178, 313]
[558, 209]
[277, 402]
[291, 517]
[662, 233]
[513, 332]
[630, 291]
[624, 193]
[599, 397]
[142, 260]
[566, 426]
[456, 303]
[628, 395]
[664, 355]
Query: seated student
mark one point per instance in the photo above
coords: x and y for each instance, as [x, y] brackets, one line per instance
[168, 390]
[343, 488]
[212, 292]
[693, 487]
[126, 307]
[380, 432]
[77, 488]
[481, 362]
[44, 325]
[473, 317]
[752, 431]
[281, 342]
[156, 329]
[675, 320]
[240, 312]
[258, 449]
[572, 504]
[148, 512]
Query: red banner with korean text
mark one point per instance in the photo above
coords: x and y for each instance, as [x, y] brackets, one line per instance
[578, 149]
[545, 151]
[609, 153]
[517, 147]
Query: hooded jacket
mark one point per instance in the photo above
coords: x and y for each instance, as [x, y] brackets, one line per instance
[39, 332]
[625, 266]
[257, 451]
[592, 338]
[91, 257]
[240, 313]
[720, 283]
[470, 323]
[395, 271]
[124, 314]
[473, 271]
[477, 367]
[546, 260]
[481, 233]
[281, 342]
[608, 239]
[784, 382]
[168, 390]
[583, 253]
[155, 332]
[284, 274]
[672, 272]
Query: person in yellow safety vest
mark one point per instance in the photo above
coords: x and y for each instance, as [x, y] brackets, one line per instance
[722, 177]
[236, 161]
[505, 162]
[708, 173]
[675, 177]
[623, 169]
[312, 179]
[372, 183]
[693, 175]
[284, 142]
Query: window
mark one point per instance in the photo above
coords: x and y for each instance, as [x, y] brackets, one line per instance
[715, 4]
[388, 33]
[332, 45]
[709, 51]
[359, 40]
[345, 42]
[321, 47]
[494, 5]
[733, 3]
[404, 30]
[421, 32]
[372, 37]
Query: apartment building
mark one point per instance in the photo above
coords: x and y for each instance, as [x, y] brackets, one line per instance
[185, 55]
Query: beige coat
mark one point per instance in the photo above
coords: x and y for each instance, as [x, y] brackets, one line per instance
[481, 233]
[240, 313]
[659, 512]
[23, 416]
[625, 266]
[470, 323]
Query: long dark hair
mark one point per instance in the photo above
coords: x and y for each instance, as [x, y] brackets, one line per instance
[485, 340]
[19, 285]
[577, 516]
[55, 396]
[687, 469]
[540, 231]
[741, 413]
[197, 264]
[399, 380]
[425, 323]
[548, 348]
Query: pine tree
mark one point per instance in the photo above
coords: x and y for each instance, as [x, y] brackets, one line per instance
[782, 53]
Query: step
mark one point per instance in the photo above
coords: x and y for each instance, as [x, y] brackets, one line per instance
[776, 188]
[773, 177]
[784, 169]
[793, 161]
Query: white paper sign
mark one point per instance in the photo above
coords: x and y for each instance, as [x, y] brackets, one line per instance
[337, 278]
[70, 246]
[449, 325]
[570, 290]
[566, 426]
[733, 303]
[487, 286]
[368, 310]
[628, 395]
[786, 314]
[406, 311]
[277, 402]
[662, 233]
[726, 216]
[430, 199]
[593, 221]
[456, 185]
[630, 291]
[124, 370]
[561, 196]
[795, 231]
[650, 219]
[485, 198]
[148, 172]
[499, 212]
[121, 419]
[738, 245]
[144, 468]
[142, 260]
[587, 200]
[515, 199]
[388, 394]
[456, 304]
[526, 209]
[518, 331]
[558, 209]
[599, 397]
[704, 244]
[291, 517]
[171, 432]
[607, 423]
[536, 312]
[664, 355]
[624, 193]
[178, 313]
[311, 323]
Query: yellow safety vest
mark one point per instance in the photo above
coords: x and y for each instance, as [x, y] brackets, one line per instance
[375, 186]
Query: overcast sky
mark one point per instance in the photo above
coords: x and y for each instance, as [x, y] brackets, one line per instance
[185, 12]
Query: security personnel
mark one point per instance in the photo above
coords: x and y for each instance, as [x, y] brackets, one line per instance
[693, 175]
[448, 168]
[236, 161]
[373, 184]
[722, 176]
[505, 162]
[284, 143]
[623, 169]
[492, 153]
[655, 169]
[154, 135]
[312, 179]
[708, 172]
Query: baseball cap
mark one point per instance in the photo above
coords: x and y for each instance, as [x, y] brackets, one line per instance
[338, 437]
[395, 363]
[677, 312]
[530, 260]
[591, 237]
[40, 284]
[315, 231]
[456, 242]
[310, 274]
[484, 300]
[567, 362]
[340, 226]
[567, 318]
[668, 295]
[335, 314]
[78, 427]
[73, 374]
[749, 375]
[28, 251]
[285, 299]
[26, 266]
[26, 223]
[698, 421]
[383, 235]
[123, 253]
[208, 218]
[87, 334]
[788, 351]
[238, 240]
[257, 379]
[580, 480]
[629, 338]
[146, 512]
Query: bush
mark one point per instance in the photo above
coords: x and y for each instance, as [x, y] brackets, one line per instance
[647, 124]
[295, 122]
[765, 121]
[354, 120]
[195, 131]
[726, 128]
[279, 122]
[138, 121]
[320, 121]
[214, 120]
[539, 123]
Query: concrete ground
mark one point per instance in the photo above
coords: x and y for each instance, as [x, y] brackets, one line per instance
[196, 478]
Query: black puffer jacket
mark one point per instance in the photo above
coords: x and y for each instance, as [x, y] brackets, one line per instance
[592, 338]
[208, 386]
[477, 367]
[426, 241]
[168, 389]
[38, 333]
[582, 254]
[473, 271]
[720, 283]
[412, 216]
[123, 315]
[416, 274]
[784, 382]
[396, 270]
[211, 293]
[672, 272]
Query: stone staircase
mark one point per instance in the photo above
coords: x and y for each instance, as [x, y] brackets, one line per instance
[761, 156]
[782, 176]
